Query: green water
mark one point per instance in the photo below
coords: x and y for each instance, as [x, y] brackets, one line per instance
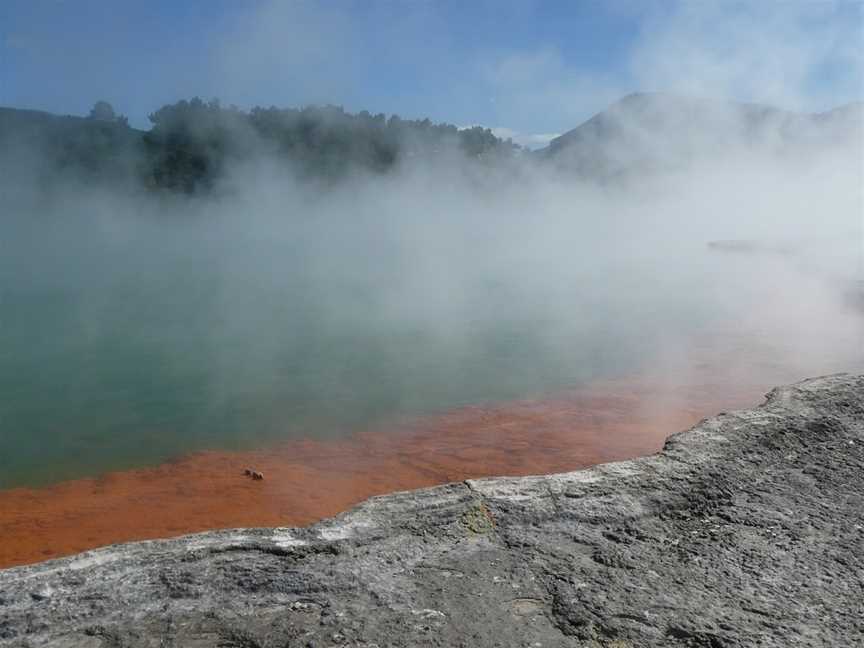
[156, 379]
[127, 354]
[129, 344]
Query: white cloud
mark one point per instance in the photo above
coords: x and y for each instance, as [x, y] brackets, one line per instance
[807, 56]
[540, 87]
[765, 52]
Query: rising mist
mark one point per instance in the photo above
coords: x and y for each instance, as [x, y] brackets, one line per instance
[673, 235]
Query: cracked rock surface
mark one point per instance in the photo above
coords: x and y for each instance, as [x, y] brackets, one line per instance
[747, 530]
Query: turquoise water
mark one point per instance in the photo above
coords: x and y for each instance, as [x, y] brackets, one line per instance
[120, 354]
[155, 380]
[127, 343]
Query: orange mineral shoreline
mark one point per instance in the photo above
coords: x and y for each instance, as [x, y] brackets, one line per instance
[309, 480]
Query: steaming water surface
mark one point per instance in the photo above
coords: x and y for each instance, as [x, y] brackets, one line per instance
[129, 338]
[134, 361]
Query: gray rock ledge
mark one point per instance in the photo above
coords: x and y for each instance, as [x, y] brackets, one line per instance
[746, 530]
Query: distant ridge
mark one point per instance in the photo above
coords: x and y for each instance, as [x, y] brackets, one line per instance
[193, 142]
[650, 131]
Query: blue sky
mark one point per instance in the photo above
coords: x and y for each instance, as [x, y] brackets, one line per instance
[528, 67]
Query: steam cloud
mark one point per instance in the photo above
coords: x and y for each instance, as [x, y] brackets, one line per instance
[271, 307]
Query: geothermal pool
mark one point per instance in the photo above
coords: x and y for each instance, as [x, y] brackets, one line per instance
[308, 479]
[137, 382]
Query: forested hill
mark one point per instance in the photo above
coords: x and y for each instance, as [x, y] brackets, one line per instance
[192, 143]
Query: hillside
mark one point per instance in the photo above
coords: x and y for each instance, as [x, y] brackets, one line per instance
[40, 147]
[647, 132]
[193, 144]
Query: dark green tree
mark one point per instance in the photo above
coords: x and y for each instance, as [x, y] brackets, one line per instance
[102, 111]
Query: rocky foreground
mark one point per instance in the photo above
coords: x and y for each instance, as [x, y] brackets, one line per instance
[746, 530]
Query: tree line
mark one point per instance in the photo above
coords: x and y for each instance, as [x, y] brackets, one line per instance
[193, 142]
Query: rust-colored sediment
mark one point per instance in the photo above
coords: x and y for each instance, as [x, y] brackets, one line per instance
[308, 480]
